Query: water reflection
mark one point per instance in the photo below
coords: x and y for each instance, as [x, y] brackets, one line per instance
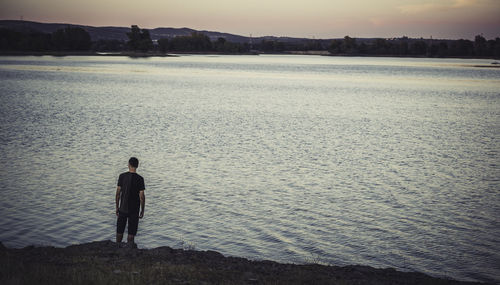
[384, 162]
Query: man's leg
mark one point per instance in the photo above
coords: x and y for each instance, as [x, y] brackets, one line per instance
[120, 227]
[133, 224]
[130, 238]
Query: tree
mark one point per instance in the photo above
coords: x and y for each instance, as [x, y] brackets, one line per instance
[194, 42]
[79, 39]
[402, 46]
[24, 41]
[461, 48]
[139, 39]
[219, 45]
[272, 46]
[200, 42]
[59, 40]
[41, 42]
[349, 45]
[71, 39]
[480, 45]
[108, 45]
[440, 49]
[10, 39]
[363, 48]
[335, 46]
[418, 48]
[163, 44]
[313, 45]
[146, 43]
[495, 47]
[134, 37]
[381, 46]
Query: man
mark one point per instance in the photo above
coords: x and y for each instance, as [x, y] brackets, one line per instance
[129, 192]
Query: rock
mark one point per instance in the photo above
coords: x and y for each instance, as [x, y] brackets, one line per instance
[93, 246]
[163, 250]
[213, 254]
[117, 271]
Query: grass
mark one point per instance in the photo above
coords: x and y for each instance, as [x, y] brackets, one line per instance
[85, 270]
[105, 263]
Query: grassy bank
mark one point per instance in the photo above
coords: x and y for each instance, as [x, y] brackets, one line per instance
[105, 263]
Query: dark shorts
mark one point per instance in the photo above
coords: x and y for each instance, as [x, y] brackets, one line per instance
[133, 223]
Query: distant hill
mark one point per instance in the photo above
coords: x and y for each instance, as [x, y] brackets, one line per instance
[120, 33]
[112, 33]
[96, 33]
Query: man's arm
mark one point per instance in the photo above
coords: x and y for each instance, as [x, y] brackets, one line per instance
[117, 198]
[143, 203]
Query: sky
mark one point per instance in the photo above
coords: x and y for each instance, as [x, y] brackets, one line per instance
[444, 19]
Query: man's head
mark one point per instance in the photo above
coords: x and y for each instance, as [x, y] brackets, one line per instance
[133, 162]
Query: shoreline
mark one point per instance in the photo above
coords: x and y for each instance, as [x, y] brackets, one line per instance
[82, 53]
[104, 262]
[175, 54]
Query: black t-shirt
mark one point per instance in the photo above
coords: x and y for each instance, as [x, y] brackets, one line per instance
[130, 183]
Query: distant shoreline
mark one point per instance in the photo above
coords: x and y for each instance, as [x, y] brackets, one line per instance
[81, 53]
[125, 54]
[104, 262]
[175, 54]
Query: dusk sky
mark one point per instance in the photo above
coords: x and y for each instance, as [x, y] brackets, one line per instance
[451, 19]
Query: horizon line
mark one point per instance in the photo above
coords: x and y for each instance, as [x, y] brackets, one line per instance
[250, 34]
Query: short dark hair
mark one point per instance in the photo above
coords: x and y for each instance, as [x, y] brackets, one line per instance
[134, 162]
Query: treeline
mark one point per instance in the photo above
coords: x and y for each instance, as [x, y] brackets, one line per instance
[68, 39]
[198, 42]
[404, 46]
[78, 39]
[139, 40]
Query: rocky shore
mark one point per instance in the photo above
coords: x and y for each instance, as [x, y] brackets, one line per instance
[104, 262]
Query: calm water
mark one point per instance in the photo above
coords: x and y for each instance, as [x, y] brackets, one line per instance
[376, 161]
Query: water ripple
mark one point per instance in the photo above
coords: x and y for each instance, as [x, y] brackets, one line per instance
[383, 162]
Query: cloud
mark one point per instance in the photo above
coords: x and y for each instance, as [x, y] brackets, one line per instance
[419, 8]
[433, 7]
[464, 3]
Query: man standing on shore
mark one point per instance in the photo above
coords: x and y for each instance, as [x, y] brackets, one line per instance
[129, 192]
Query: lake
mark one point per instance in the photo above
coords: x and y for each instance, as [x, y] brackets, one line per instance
[387, 162]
